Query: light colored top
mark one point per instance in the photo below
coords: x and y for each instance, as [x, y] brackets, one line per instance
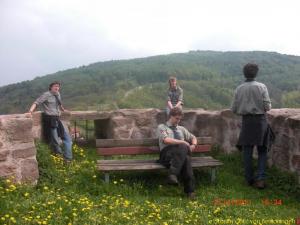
[48, 103]
[164, 131]
[252, 98]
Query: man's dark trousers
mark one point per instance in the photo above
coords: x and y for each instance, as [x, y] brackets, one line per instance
[261, 165]
[178, 160]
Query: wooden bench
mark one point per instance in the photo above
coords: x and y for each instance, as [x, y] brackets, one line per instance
[114, 147]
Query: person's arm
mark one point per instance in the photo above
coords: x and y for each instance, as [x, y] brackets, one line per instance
[193, 143]
[266, 99]
[38, 101]
[172, 141]
[180, 98]
[190, 139]
[32, 108]
[234, 103]
[178, 103]
[170, 104]
[62, 108]
[194, 140]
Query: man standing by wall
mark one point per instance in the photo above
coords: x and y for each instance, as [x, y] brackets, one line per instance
[51, 106]
[251, 101]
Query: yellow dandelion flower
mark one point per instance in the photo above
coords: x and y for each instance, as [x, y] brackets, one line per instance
[12, 187]
[13, 220]
[217, 210]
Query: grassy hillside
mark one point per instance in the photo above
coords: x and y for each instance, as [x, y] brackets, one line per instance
[208, 79]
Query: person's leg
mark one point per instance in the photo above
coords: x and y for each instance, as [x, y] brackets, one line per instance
[165, 159]
[178, 158]
[54, 141]
[247, 152]
[67, 145]
[173, 157]
[188, 175]
[262, 162]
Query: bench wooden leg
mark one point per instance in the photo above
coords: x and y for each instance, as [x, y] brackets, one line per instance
[213, 174]
[106, 177]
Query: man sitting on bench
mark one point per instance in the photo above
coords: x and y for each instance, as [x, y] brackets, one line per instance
[176, 144]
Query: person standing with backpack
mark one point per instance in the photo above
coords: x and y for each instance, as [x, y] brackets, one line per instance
[54, 130]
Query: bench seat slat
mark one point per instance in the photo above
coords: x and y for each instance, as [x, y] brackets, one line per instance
[115, 165]
[118, 161]
[138, 150]
[107, 143]
[153, 166]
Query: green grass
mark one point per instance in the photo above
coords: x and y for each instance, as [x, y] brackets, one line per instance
[76, 194]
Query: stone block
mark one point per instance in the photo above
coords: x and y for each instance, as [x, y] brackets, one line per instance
[18, 129]
[7, 169]
[29, 170]
[4, 154]
[24, 153]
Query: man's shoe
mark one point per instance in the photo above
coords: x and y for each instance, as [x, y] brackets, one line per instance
[172, 179]
[259, 184]
[191, 196]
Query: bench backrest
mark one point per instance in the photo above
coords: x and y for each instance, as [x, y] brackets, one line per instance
[109, 147]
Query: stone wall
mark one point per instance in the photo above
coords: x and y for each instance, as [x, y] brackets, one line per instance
[222, 126]
[285, 153]
[17, 151]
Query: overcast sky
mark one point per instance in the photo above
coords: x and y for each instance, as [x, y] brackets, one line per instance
[38, 37]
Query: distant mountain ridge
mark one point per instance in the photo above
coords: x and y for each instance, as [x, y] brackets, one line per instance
[207, 77]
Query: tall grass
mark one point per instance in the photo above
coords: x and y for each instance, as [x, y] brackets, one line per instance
[76, 194]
